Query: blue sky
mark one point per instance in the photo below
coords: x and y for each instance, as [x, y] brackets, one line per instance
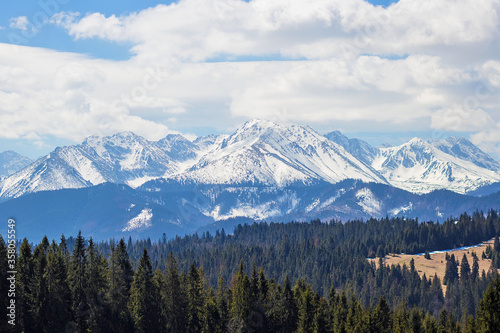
[380, 70]
[56, 39]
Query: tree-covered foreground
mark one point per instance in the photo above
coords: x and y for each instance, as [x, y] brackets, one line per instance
[294, 277]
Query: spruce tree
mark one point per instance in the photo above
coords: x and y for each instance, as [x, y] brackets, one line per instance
[212, 321]
[287, 308]
[24, 268]
[63, 248]
[77, 284]
[143, 304]
[488, 314]
[340, 309]
[59, 298]
[382, 316]
[196, 300]
[160, 285]
[306, 309]
[464, 269]
[221, 296]
[321, 316]
[4, 284]
[96, 286]
[475, 267]
[241, 303]
[415, 320]
[175, 298]
[39, 295]
[120, 276]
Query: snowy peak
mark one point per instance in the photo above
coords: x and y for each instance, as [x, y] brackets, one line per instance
[123, 158]
[408, 155]
[178, 147]
[272, 154]
[258, 152]
[11, 162]
[358, 148]
[464, 149]
[421, 167]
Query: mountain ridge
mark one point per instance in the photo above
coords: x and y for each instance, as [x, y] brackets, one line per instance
[258, 152]
[11, 162]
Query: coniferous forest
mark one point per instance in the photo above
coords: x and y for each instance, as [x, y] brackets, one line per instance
[276, 277]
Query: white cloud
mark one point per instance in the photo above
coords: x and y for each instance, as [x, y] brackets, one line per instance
[20, 23]
[461, 119]
[412, 66]
[201, 29]
[69, 96]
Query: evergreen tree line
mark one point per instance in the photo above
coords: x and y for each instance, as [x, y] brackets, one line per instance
[83, 291]
[329, 254]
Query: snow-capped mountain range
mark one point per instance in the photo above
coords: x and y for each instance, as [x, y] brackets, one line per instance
[11, 162]
[125, 185]
[259, 152]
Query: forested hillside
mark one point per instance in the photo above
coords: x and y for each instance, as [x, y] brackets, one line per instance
[227, 280]
[84, 291]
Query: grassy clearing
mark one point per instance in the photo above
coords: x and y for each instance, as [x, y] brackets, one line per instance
[437, 263]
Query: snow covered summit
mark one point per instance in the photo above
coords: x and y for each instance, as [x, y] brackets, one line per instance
[260, 152]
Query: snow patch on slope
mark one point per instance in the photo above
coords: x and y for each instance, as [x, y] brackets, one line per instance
[368, 201]
[401, 209]
[143, 220]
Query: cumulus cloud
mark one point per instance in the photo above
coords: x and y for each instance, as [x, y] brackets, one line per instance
[461, 119]
[69, 96]
[20, 23]
[201, 29]
[411, 66]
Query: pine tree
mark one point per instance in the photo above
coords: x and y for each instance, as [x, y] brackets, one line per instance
[221, 296]
[160, 284]
[77, 283]
[212, 321]
[143, 297]
[400, 318]
[196, 300]
[321, 316]
[382, 316]
[451, 271]
[175, 297]
[4, 284]
[262, 286]
[96, 286]
[488, 314]
[288, 311]
[63, 248]
[429, 324]
[306, 307]
[427, 255]
[464, 268]
[241, 303]
[340, 309]
[470, 325]
[24, 268]
[59, 298]
[437, 300]
[357, 319]
[442, 322]
[475, 267]
[120, 276]
[415, 321]
[39, 296]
